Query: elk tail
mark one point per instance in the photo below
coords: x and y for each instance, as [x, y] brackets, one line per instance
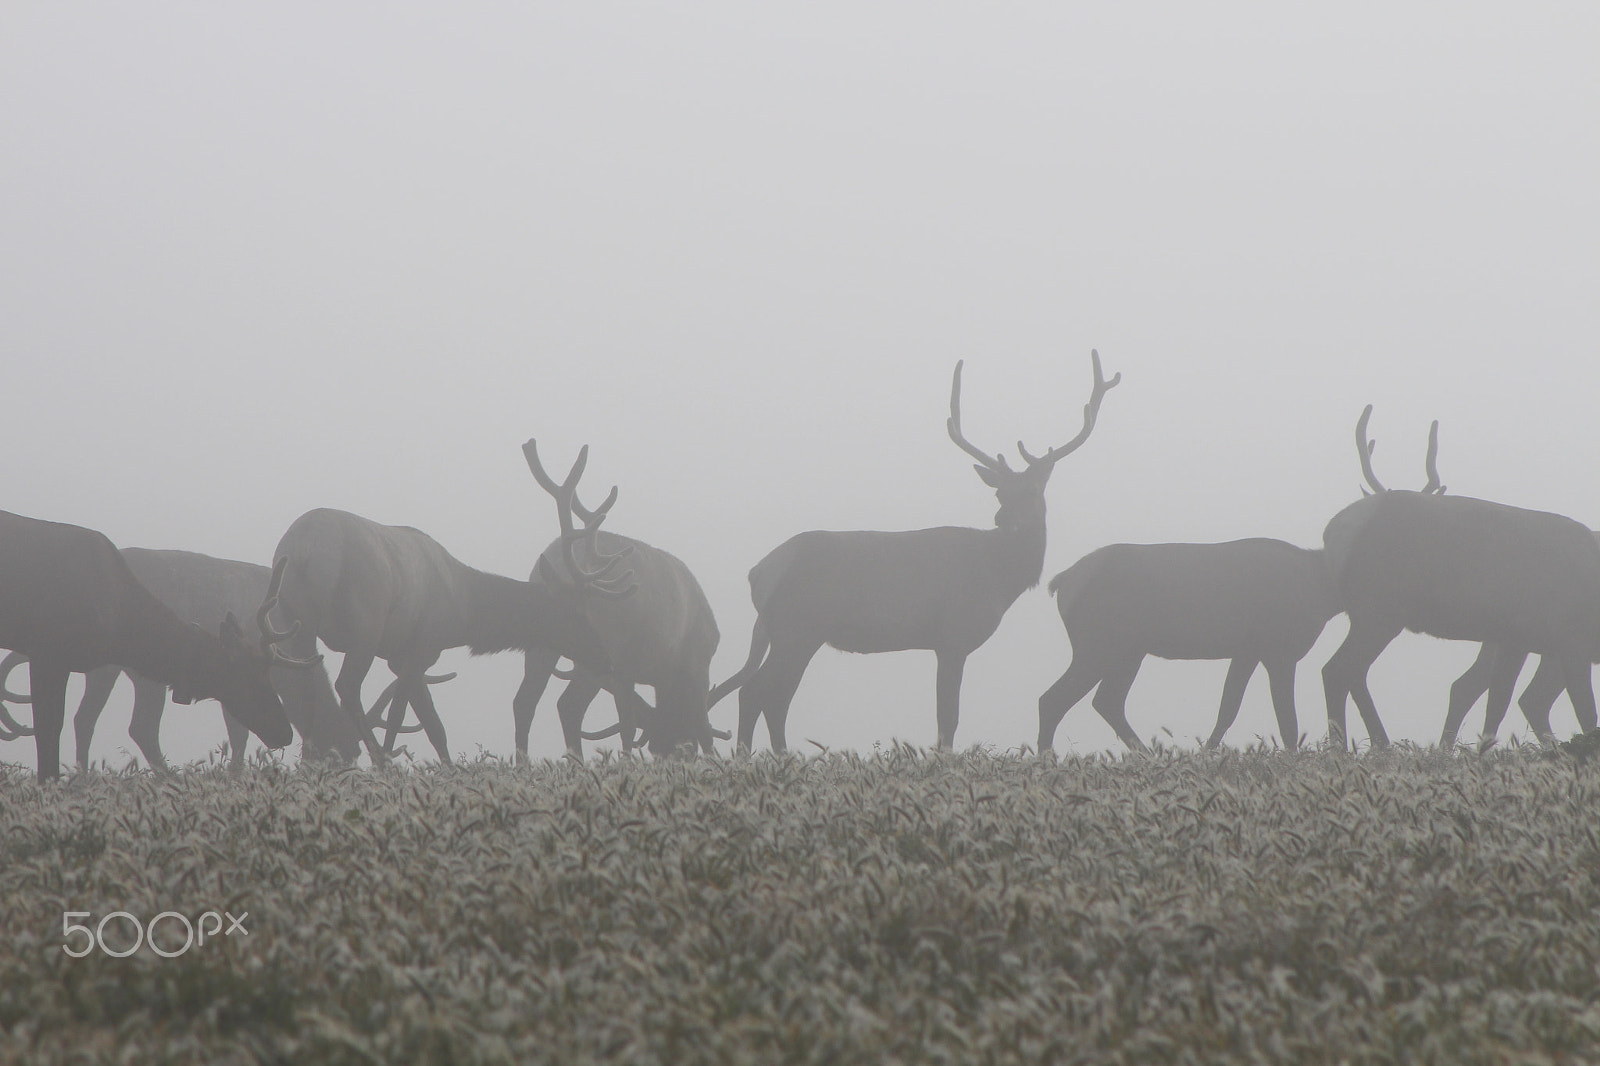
[1066, 585]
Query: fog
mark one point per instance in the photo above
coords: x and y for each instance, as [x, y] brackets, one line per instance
[256, 261]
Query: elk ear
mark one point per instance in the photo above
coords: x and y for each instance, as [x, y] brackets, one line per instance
[546, 572]
[990, 478]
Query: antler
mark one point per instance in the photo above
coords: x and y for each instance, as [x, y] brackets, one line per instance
[566, 497]
[270, 636]
[1433, 484]
[953, 424]
[1364, 450]
[1091, 412]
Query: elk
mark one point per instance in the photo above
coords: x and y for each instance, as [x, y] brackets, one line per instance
[943, 589]
[200, 588]
[392, 592]
[653, 620]
[1255, 602]
[69, 601]
[1461, 569]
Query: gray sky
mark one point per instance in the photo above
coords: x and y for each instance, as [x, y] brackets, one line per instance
[259, 260]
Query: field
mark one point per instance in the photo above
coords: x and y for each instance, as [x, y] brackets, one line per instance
[1410, 906]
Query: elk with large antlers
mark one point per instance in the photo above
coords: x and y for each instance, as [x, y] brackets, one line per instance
[943, 589]
[70, 603]
[392, 592]
[199, 589]
[654, 621]
[1461, 569]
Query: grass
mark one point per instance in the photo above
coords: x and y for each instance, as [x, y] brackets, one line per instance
[1260, 906]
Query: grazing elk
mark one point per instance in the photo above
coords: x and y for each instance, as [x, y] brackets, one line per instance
[392, 592]
[1257, 601]
[1461, 569]
[200, 588]
[69, 602]
[943, 589]
[654, 621]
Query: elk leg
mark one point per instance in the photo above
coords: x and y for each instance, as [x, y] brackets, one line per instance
[1345, 675]
[1280, 676]
[947, 695]
[48, 684]
[1062, 696]
[239, 739]
[573, 704]
[769, 693]
[1112, 698]
[1464, 692]
[1540, 695]
[1580, 686]
[97, 686]
[536, 667]
[1239, 671]
[149, 701]
[422, 702]
[348, 688]
[1507, 665]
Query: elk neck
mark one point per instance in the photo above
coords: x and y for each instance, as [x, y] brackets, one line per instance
[164, 647]
[499, 613]
[1017, 551]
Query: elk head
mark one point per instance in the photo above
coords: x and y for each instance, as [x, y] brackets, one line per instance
[233, 670]
[1021, 492]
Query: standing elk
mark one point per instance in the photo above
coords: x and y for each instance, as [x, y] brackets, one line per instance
[1461, 569]
[392, 592]
[1256, 602]
[69, 602]
[943, 589]
[654, 621]
[200, 588]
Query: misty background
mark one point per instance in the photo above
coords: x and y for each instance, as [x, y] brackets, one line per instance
[259, 260]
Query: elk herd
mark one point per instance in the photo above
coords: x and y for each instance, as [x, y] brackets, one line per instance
[626, 614]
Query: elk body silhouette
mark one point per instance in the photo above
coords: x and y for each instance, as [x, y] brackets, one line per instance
[943, 589]
[1256, 602]
[200, 589]
[69, 602]
[1492, 663]
[392, 592]
[1459, 568]
[654, 622]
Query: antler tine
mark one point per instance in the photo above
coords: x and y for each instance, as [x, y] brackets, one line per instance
[597, 580]
[563, 492]
[1364, 449]
[566, 497]
[269, 635]
[591, 525]
[1433, 485]
[1091, 412]
[953, 424]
